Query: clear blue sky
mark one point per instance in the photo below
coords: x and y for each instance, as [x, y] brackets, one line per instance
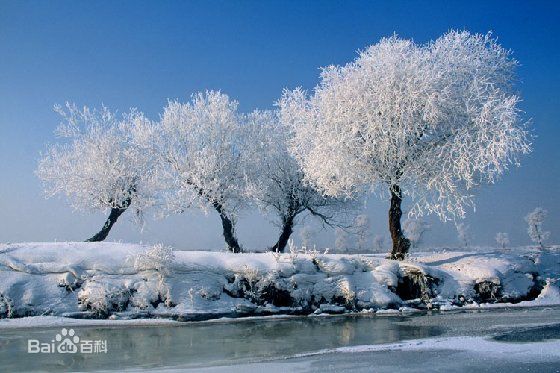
[138, 54]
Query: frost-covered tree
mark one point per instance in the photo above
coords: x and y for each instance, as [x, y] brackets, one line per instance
[414, 229]
[341, 240]
[306, 235]
[535, 220]
[379, 242]
[502, 239]
[362, 231]
[428, 122]
[199, 145]
[275, 180]
[463, 233]
[100, 163]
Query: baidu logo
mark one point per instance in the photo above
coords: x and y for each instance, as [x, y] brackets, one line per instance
[66, 342]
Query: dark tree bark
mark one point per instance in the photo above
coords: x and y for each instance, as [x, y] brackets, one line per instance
[111, 220]
[400, 243]
[228, 230]
[285, 233]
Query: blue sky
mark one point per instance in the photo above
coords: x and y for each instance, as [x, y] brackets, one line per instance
[138, 54]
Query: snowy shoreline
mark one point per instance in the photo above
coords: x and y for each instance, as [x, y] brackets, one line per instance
[483, 345]
[32, 322]
[117, 281]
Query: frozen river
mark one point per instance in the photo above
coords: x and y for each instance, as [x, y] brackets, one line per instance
[499, 340]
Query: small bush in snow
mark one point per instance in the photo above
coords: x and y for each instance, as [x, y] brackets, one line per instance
[209, 293]
[378, 243]
[93, 297]
[246, 281]
[306, 235]
[158, 258]
[293, 253]
[191, 296]
[293, 250]
[347, 292]
[362, 231]
[463, 233]
[367, 264]
[103, 299]
[276, 254]
[341, 242]
[414, 229]
[148, 293]
[250, 274]
[535, 220]
[6, 308]
[502, 239]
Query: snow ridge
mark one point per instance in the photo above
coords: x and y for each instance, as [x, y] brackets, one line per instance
[117, 280]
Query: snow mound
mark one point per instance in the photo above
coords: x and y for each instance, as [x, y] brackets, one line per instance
[116, 280]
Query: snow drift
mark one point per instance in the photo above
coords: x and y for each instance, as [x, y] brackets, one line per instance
[116, 280]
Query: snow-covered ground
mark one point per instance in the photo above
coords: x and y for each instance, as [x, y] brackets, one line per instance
[120, 281]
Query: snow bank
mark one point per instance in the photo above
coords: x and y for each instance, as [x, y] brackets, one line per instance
[116, 280]
[541, 351]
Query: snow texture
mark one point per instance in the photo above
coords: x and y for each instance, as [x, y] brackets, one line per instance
[130, 281]
[518, 351]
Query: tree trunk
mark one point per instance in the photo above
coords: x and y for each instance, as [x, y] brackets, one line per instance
[287, 230]
[228, 230]
[400, 243]
[112, 219]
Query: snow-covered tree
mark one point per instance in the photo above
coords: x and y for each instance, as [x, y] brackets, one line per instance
[429, 122]
[379, 243]
[362, 231]
[535, 220]
[341, 240]
[100, 164]
[463, 233]
[502, 239]
[199, 146]
[276, 182]
[414, 229]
